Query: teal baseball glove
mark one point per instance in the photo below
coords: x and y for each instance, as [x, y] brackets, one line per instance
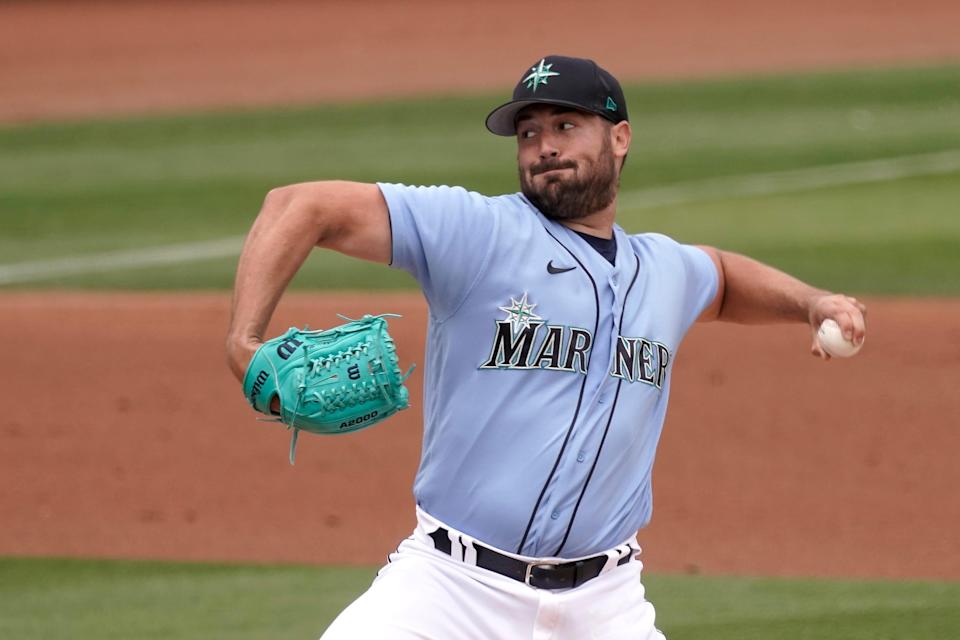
[328, 382]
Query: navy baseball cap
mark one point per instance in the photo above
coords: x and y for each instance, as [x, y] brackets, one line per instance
[570, 82]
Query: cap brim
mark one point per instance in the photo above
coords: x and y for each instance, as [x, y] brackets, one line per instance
[502, 120]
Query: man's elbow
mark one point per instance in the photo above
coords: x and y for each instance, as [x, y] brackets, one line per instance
[278, 198]
[335, 213]
[303, 201]
[299, 195]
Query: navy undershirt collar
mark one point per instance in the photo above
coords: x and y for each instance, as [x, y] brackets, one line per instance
[604, 246]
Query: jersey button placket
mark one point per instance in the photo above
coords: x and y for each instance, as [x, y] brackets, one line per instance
[549, 513]
[617, 299]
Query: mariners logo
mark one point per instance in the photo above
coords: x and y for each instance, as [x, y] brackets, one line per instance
[524, 340]
[539, 75]
[520, 312]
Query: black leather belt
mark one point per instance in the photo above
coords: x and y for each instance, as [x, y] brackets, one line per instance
[542, 575]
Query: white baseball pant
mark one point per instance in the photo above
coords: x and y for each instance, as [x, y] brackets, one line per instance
[425, 594]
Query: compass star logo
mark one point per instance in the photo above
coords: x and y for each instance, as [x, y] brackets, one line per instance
[539, 75]
[520, 312]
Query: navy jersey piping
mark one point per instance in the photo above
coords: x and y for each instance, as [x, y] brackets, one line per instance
[389, 223]
[606, 429]
[576, 412]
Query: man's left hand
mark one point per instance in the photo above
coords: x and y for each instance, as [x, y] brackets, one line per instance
[848, 312]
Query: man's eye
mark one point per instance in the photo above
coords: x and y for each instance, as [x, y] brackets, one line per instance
[566, 125]
[526, 134]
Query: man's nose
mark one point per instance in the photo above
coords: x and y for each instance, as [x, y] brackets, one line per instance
[548, 148]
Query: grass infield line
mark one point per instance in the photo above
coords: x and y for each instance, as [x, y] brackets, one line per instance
[731, 187]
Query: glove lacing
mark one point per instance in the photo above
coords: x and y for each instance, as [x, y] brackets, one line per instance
[355, 394]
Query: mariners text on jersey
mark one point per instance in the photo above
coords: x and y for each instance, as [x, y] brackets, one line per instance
[547, 367]
[559, 348]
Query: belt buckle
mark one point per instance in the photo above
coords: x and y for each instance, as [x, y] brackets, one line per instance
[528, 574]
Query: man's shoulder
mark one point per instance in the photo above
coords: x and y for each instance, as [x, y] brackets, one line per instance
[453, 193]
[653, 241]
[664, 253]
[660, 247]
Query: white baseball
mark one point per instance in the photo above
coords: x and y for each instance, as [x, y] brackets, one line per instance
[832, 341]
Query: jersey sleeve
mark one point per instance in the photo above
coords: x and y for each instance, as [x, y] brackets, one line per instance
[702, 282]
[443, 236]
[693, 276]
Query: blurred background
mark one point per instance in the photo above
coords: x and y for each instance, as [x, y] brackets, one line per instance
[140, 498]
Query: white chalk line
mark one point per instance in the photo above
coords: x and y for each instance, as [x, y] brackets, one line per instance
[808, 179]
[173, 254]
[757, 184]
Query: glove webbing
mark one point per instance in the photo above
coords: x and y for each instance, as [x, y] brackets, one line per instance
[303, 387]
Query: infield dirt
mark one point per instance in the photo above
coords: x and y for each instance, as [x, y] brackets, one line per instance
[125, 436]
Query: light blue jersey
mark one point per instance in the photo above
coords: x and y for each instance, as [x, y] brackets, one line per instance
[547, 368]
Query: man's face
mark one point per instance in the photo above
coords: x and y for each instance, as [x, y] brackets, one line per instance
[566, 161]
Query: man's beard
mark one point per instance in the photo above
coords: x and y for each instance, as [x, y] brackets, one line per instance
[592, 187]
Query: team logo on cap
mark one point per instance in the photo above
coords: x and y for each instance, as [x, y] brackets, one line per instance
[539, 75]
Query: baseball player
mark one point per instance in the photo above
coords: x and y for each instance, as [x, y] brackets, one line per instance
[551, 341]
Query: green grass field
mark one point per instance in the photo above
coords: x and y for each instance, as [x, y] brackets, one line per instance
[91, 187]
[51, 599]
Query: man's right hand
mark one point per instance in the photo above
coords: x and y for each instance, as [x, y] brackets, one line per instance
[239, 354]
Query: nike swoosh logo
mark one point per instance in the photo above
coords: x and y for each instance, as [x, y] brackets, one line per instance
[553, 269]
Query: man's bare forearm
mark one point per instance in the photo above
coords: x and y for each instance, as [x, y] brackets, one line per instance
[347, 217]
[279, 242]
[756, 293]
[751, 292]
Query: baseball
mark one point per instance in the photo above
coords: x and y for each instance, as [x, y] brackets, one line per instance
[832, 341]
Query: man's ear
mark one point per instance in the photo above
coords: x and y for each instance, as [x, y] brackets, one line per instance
[620, 136]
